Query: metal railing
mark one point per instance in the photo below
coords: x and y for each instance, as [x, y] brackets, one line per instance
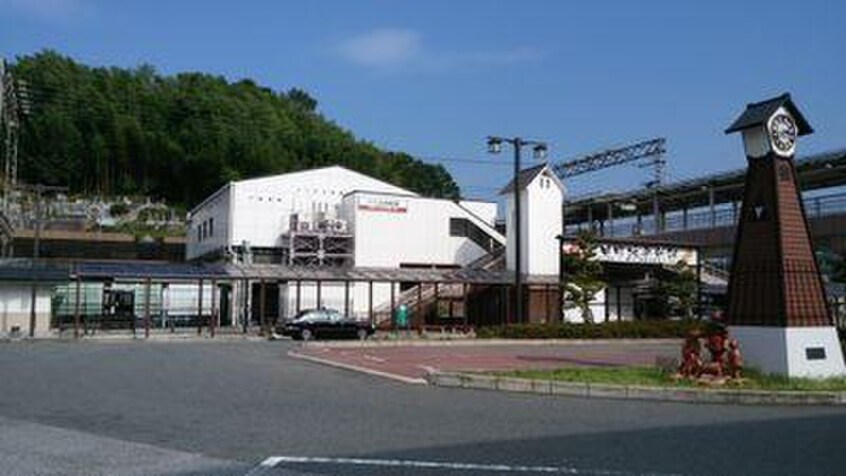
[704, 218]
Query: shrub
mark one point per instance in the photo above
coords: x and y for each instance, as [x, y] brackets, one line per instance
[604, 330]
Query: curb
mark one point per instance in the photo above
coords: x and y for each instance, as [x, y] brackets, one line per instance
[633, 392]
[356, 368]
[484, 342]
[138, 338]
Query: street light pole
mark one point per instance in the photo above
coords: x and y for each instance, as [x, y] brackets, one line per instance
[518, 278]
[539, 149]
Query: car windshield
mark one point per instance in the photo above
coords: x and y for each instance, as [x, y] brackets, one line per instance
[310, 316]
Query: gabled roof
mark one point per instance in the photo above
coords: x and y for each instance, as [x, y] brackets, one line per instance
[527, 176]
[302, 173]
[758, 113]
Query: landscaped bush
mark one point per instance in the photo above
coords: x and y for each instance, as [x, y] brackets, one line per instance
[605, 330]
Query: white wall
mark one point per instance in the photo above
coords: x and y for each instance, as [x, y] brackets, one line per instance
[215, 213]
[391, 230]
[260, 209]
[626, 308]
[544, 213]
[540, 222]
[15, 305]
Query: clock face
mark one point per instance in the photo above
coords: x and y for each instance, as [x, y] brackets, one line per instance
[783, 134]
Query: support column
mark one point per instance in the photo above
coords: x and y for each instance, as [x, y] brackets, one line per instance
[299, 297]
[465, 302]
[712, 207]
[420, 318]
[656, 213]
[200, 310]
[319, 294]
[698, 284]
[507, 307]
[437, 301]
[262, 303]
[214, 322]
[370, 301]
[393, 308]
[590, 216]
[76, 316]
[245, 310]
[347, 298]
[147, 285]
[610, 219]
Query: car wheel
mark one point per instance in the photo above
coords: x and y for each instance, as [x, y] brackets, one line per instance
[306, 334]
[362, 334]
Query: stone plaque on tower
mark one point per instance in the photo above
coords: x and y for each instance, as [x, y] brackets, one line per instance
[777, 305]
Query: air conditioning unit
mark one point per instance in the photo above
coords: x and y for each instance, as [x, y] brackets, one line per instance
[304, 226]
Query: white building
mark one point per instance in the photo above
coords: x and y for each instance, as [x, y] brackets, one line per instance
[334, 216]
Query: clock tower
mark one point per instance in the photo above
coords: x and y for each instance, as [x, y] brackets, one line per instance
[777, 306]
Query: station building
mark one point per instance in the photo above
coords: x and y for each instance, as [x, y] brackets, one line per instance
[334, 218]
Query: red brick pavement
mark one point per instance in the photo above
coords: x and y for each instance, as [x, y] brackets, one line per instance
[414, 361]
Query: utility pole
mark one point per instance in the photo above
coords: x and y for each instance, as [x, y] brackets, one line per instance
[36, 245]
[14, 105]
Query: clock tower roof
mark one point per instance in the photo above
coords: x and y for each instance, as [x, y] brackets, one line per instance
[758, 113]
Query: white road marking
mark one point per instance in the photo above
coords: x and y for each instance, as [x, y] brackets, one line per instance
[374, 358]
[274, 461]
[427, 368]
[357, 368]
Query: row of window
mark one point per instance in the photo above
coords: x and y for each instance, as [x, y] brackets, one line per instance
[205, 230]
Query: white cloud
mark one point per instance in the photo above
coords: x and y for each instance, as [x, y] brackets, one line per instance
[382, 48]
[392, 49]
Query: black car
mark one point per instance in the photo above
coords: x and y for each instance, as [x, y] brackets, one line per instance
[324, 324]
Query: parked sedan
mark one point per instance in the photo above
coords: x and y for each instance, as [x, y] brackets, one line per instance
[324, 324]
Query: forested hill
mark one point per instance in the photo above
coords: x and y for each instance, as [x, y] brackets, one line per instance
[113, 131]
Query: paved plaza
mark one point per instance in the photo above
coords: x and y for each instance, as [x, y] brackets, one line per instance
[224, 408]
[411, 361]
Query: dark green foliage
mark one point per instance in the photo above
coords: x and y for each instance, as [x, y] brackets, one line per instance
[605, 330]
[118, 209]
[112, 131]
[583, 273]
[677, 291]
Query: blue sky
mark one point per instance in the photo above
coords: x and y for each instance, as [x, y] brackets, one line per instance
[434, 78]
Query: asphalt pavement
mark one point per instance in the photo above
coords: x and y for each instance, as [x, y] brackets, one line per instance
[236, 408]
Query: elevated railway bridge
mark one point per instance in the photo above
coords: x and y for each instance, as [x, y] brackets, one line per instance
[704, 211]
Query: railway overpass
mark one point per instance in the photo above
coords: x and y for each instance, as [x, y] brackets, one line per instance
[704, 211]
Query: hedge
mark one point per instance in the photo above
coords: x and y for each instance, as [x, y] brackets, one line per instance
[604, 330]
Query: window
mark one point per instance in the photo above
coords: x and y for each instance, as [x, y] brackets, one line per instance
[205, 229]
[211, 227]
[199, 234]
[457, 227]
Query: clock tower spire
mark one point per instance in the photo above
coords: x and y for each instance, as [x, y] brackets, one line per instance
[776, 299]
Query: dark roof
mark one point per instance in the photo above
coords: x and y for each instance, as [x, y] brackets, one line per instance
[163, 272]
[524, 178]
[21, 269]
[154, 271]
[759, 113]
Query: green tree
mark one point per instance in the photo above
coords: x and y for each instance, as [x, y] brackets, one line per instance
[115, 131]
[583, 273]
[677, 291]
